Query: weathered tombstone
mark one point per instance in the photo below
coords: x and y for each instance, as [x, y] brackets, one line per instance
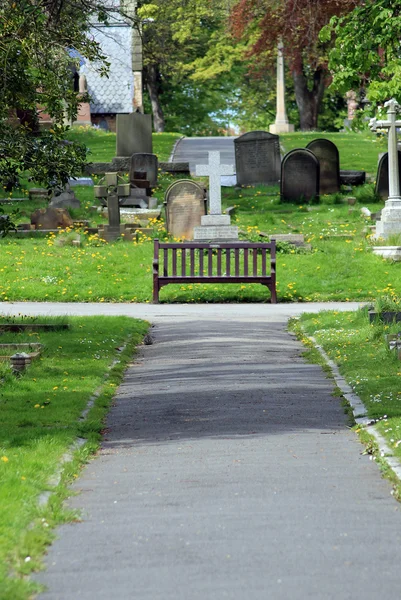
[134, 134]
[257, 158]
[65, 198]
[299, 176]
[382, 187]
[51, 218]
[185, 203]
[143, 162]
[329, 159]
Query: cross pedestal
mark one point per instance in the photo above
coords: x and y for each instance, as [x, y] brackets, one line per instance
[390, 222]
[215, 225]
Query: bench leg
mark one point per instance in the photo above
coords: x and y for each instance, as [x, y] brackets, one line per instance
[273, 298]
[155, 292]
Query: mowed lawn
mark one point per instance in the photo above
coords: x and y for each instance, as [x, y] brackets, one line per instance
[339, 266]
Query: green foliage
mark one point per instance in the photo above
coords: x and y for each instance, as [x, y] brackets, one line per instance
[6, 224]
[37, 39]
[366, 52]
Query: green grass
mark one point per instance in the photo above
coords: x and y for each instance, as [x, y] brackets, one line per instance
[102, 144]
[361, 352]
[358, 151]
[40, 419]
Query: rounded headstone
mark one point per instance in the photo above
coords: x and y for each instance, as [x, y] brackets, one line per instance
[329, 159]
[185, 203]
[299, 176]
[382, 183]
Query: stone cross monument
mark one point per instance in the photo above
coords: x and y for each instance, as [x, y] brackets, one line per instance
[390, 222]
[215, 225]
[281, 124]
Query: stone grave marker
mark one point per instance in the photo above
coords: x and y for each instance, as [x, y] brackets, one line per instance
[299, 176]
[329, 159]
[185, 203]
[51, 218]
[134, 134]
[65, 198]
[257, 158]
[382, 187]
[143, 162]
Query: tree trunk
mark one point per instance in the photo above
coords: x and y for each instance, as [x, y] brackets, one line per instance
[152, 84]
[309, 100]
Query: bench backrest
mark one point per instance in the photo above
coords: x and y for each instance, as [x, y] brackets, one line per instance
[234, 259]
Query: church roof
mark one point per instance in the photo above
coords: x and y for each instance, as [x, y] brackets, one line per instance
[112, 94]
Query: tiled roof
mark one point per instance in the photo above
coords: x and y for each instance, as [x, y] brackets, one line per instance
[112, 94]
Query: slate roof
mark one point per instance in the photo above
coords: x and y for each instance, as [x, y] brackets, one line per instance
[115, 93]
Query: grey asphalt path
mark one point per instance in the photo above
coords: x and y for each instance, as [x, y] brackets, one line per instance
[227, 471]
[156, 313]
[195, 150]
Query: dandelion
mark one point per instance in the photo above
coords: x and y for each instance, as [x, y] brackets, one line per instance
[4, 459]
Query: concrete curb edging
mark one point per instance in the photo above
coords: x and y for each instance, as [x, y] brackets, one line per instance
[171, 159]
[360, 412]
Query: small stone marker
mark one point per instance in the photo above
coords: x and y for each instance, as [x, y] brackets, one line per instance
[391, 216]
[65, 199]
[215, 225]
[143, 162]
[134, 134]
[51, 218]
[299, 176]
[185, 203]
[382, 188]
[257, 158]
[329, 159]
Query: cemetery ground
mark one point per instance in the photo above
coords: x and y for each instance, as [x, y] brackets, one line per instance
[44, 411]
[41, 423]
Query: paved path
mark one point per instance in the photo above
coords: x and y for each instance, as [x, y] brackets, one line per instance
[195, 150]
[227, 471]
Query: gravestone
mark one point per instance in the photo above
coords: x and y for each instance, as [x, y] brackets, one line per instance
[185, 203]
[134, 134]
[299, 176]
[51, 218]
[329, 159]
[65, 198]
[382, 187]
[143, 162]
[257, 158]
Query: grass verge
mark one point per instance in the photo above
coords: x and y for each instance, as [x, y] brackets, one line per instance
[361, 352]
[40, 415]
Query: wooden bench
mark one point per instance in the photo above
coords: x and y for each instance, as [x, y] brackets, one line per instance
[229, 262]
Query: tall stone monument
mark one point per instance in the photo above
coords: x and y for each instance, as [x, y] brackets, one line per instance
[390, 222]
[215, 225]
[281, 124]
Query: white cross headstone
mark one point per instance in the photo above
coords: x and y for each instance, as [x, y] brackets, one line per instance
[390, 222]
[214, 170]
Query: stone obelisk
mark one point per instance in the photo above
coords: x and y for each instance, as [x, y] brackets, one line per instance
[281, 124]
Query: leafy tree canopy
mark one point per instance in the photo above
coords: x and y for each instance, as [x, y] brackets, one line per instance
[367, 49]
[38, 42]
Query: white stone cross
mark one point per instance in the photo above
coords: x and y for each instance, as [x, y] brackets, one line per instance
[214, 170]
[391, 124]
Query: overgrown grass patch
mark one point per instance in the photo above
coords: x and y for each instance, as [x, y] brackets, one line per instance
[360, 350]
[40, 419]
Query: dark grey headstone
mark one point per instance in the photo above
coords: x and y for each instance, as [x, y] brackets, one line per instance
[257, 158]
[382, 176]
[299, 176]
[134, 134]
[329, 159]
[144, 163]
[185, 205]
